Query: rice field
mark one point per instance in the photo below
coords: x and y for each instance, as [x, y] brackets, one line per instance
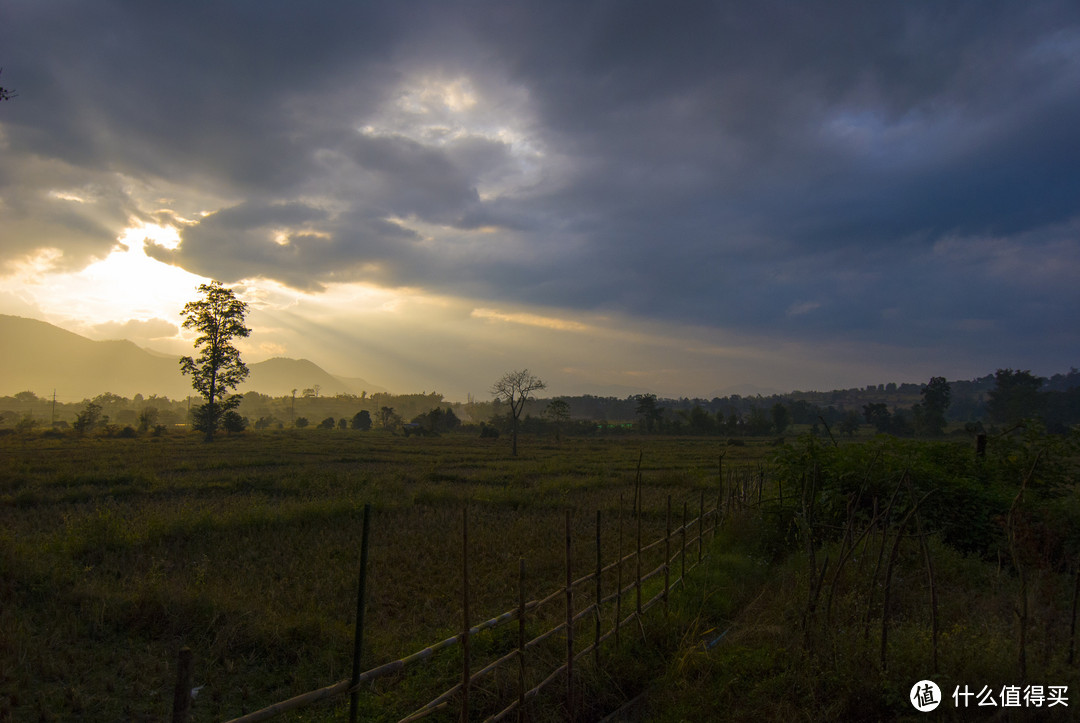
[116, 552]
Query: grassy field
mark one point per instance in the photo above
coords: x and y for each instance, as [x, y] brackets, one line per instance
[116, 552]
[851, 573]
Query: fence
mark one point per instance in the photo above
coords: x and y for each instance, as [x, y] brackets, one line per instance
[598, 606]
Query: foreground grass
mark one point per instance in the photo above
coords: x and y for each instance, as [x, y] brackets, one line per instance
[116, 552]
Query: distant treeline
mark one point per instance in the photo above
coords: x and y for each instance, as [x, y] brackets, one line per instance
[998, 399]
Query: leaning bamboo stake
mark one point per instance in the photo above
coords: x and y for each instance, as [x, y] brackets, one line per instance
[925, 544]
[880, 556]
[887, 593]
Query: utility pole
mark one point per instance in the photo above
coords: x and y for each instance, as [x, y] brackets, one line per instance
[53, 422]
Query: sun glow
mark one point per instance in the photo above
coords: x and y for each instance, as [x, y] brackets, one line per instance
[124, 285]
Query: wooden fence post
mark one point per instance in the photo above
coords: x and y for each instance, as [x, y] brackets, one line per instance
[569, 626]
[682, 546]
[521, 640]
[637, 559]
[667, 555]
[700, 524]
[465, 672]
[182, 691]
[599, 568]
[358, 632]
[618, 573]
[720, 493]
[719, 507]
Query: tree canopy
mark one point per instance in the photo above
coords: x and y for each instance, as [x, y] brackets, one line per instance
[219, 318]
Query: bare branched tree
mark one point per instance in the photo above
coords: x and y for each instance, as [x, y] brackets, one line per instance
[514, 388]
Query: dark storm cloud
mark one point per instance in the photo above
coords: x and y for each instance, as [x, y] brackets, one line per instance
[839, 168]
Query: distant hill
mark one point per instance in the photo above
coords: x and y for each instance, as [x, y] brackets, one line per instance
[743, 390]
[40, 357]
[279, 376]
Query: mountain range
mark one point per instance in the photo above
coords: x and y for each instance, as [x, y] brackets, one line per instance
[40, 357]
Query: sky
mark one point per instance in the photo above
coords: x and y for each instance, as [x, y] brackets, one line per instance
[681, 198]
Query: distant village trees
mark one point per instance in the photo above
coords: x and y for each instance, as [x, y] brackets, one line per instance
[1002, 400]
[1015, 397]
[930, 414]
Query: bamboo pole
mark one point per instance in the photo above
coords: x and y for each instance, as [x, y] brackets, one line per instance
[638, 561]
[719, 507]
[358, 632]
[618, 592]
[700, 524]
[569, 626]
[682, 545]
[667, 555]
[599, 595]
[521, 640]
[465, 614]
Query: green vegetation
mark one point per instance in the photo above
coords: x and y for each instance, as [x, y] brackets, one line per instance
[118, 551]
[957, 408]
[844, 572]
[896, 562]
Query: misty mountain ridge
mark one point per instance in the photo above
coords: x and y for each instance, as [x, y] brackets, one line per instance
[40, 357]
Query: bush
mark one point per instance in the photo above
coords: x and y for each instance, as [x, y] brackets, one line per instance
[233, 422]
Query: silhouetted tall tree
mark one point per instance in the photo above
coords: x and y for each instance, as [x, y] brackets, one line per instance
[648, 410]
[219, 317]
